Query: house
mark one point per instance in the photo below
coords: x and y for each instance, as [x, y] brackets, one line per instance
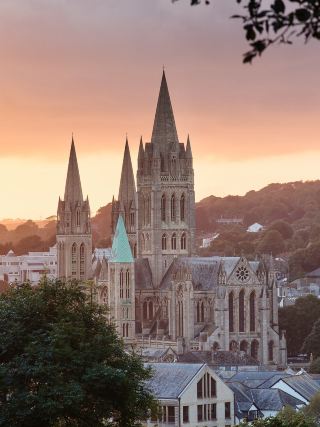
[255, 228]
[190, 394]
[301, 386]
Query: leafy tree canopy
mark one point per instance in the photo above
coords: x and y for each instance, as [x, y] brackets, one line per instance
[312, 341]
[315, 366]
[286, 418]
[277, 21]
[297, 320]
[62, 364]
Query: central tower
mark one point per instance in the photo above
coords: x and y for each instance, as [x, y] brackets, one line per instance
[165, 187]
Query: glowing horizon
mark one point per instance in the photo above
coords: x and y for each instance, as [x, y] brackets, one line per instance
[91, 70]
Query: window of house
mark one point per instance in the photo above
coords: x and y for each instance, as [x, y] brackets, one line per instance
[199, 389]
[185, 416]
[200, 413]
[171, 414]
[227, 410]
[213, 388]
[213, 411]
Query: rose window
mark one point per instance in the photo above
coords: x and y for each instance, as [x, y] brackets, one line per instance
[242, 274]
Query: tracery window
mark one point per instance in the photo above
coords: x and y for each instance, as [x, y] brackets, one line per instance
[252, 303]
[231, 312]
[164, 242]
[82, 261]
[74, 260]
[121, 283]
[127, 284]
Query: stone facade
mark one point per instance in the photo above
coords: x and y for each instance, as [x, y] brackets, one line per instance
[74, 238]
[176, 298]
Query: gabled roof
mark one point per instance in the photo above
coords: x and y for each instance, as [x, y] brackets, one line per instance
[164, 127]
[121, 251]
[170, 379]
[143, 274]
[302, 384]
[73, 190]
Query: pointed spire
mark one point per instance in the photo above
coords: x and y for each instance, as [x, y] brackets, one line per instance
[73, 190]
[164, 127]
[141, 149]
[188, 148]
[121, 251]
[127, 188]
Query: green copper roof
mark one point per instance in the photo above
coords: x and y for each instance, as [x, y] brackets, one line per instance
[121, 251]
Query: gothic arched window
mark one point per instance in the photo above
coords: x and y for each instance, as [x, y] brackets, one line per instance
[74, 260]
[143, 242]
[173, 207]
[241, 311]
[148, 210]
[174, 242]
[121, 283]
[254, 349]
[182, 208]
[82, 261]
[252, 311]
[270, 351]
[244, 346]
[163, 207]
[78, 218]
[202, 312]
[164, 242]
[127, 284]
[183, 241]
[135, 250]
[231, 311]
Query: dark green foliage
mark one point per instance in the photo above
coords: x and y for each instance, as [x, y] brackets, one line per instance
[312, 341]
[277, 21]
[297, 320]
[283, 227]
[315, 366]
[313, 409]
[61, 364]
[271, 243]
[286, 418]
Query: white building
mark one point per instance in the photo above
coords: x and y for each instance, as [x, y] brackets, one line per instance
[31, 267]
[190, 395]
[255, 228]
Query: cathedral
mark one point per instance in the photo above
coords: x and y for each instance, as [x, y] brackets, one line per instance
[157, 288]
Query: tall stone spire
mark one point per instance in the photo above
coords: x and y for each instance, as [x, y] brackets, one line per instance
[127, 189]
[73, 190]
[164, 127]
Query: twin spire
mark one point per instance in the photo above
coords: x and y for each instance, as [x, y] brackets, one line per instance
[73, 190]
[127, 189]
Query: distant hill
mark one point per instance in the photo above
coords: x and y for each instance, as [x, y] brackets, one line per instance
[289, 212]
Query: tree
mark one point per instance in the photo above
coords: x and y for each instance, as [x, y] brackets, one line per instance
[283, 227]
[312, 341]
[277, 21]
[297, 320]
[315, 366]
[313, 409]
[285, 418]
[272, 242]
[62, 364]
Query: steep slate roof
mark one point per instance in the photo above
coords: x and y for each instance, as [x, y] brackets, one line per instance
[254, 378]
[219, 358]
[303, 384]
[127, 189]
[73, 190]
[143, 275]
[121, 251]
[170, 379]
[164, 127]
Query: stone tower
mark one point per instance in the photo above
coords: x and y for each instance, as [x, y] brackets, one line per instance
[74, 238]
[122, 283]
[165, 188]
[126, 205]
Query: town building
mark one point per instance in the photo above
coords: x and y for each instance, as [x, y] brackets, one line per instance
[30, 267]
[190, 395]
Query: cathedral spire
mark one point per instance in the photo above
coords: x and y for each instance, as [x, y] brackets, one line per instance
[73, 190]
[188, 148]
[127, 189]
[164, 127]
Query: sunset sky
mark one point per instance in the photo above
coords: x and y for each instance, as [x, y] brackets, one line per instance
[93, 67]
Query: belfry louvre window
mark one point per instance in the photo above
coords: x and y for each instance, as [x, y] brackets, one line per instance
[182, 208]
[173, 208]
[121, 284]
[74, 260]
[82, 261]
[163, 207]
[127, 284]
